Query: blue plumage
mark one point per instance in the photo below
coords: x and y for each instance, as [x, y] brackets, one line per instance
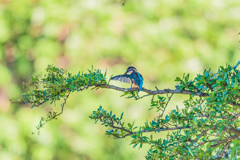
[131, 76]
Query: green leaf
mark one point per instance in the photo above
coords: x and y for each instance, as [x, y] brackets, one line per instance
[135, 145]
[178, 79]
[190, 150]
[121, 115]
[134, 136]
[193, 94]
[236, 65]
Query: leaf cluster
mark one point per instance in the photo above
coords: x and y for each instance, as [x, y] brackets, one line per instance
[206, 128]
[56, 85]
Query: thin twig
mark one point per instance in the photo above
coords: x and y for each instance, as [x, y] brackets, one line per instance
[224, 141]
[166, 105]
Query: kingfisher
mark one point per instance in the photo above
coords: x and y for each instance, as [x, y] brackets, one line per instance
[131, 76]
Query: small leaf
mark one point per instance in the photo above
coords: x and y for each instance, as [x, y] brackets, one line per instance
[121, 115]
[190, 150]
[178, 79]
[236, 65]
[135, 145]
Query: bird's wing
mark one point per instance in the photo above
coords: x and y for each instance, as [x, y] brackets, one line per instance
[122, 78]
[141, 76]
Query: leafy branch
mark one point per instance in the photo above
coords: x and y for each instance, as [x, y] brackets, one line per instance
[207, 127]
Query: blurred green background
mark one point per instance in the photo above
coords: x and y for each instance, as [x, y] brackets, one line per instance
[163, 39]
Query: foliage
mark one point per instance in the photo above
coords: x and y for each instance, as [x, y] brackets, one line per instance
[57, 84]
[206, 128]
[159, 38]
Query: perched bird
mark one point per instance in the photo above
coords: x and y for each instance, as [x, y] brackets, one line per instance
[131, 76]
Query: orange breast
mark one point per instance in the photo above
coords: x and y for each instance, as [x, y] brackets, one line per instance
[134, 84]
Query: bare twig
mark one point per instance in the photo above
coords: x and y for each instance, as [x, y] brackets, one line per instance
[169, 98]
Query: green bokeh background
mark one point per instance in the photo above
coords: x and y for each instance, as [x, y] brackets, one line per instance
[163, 39]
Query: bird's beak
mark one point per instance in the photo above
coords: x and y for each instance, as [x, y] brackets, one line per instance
[128, 72]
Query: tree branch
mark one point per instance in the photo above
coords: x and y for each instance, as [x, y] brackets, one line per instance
[156, 130]
[235, 117]
[224, 141]
[157, 91]
[150, 92]
[231, 130]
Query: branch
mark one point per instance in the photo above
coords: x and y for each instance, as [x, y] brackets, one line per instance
[200, 135]
[150, 92]
[52, 115]
[155, 92]
[156, 130]
[231, 130]
[224, 141]
[49, 97]
[235, 117]
[169, 98]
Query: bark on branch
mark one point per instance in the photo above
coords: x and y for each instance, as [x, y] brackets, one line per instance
[154, 92]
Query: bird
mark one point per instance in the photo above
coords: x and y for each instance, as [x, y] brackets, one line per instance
[131, 76]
